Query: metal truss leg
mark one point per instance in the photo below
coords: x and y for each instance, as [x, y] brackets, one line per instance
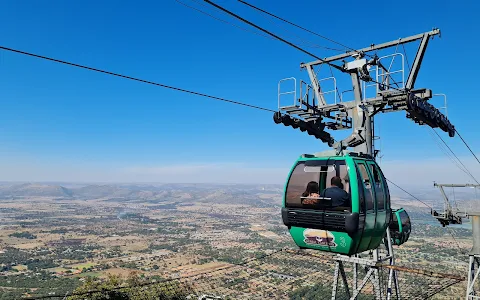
[339, 269]
[344, 277]
[376, 283]
[355, 274]
[383, 289]
[335, 281]
[376, 276]
[472, 276]
[397, 285]
[392, 274]
[389, 284]
[362, 284]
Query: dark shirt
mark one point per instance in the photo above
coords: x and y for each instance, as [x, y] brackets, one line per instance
[339, 196]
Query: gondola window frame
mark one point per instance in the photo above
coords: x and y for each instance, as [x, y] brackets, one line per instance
[321, 178]
[369, 201]
[379, 186]
[362, 203]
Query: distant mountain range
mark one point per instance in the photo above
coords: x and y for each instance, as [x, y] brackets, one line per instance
[38, 190]
[210, 193]
[194, 192]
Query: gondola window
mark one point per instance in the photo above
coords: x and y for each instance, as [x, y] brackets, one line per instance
[309, 179]
[366, 185]
[379, 190]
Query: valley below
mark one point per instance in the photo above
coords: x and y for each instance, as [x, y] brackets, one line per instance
[53, 239]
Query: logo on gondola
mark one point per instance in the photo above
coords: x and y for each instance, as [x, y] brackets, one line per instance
[319, 237]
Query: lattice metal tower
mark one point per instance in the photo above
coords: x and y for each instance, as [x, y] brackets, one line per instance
[451, 215]
[311, 112]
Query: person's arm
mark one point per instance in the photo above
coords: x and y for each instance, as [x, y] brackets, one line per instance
[311, 201]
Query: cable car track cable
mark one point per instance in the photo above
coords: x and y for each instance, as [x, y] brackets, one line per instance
[468, 172]
[135, 79]
[447, 154]
[322, 36]
[408, 193]
[463, 251]
[305, 42]
[467, 146]
[274, 35]
[222, 20]
[341, 69]
[298, 26]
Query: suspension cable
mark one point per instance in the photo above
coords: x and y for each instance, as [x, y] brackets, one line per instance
[135, 79]
[467, 146]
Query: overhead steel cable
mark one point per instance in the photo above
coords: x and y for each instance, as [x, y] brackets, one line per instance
[222, 20]
[341, 69]
[314, 33]
[448, 147]
[408, 193]
[306, 43]
[135, 79]
[463, 251]
[298, 26]
[317, 34]
[274, 35]
[467, 146]
[449, 155]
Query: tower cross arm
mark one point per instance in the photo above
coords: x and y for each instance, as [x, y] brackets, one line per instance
[373, 48]
[456, 185]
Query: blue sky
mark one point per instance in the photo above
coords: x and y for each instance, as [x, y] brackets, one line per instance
[62, 123]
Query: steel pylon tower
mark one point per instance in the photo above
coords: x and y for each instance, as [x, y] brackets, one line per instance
[310, 112]
[452, 215]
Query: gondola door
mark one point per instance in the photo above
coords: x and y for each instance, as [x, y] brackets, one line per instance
[365, 186]
[378, 183]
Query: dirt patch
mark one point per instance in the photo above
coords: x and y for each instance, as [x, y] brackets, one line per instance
[29, 245]
[121, 272]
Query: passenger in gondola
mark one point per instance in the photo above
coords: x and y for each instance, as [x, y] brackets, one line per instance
[339, 197]
[312, 192]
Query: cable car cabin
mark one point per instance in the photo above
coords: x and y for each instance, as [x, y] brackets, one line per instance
[347, 219]
[447, 217]
[400, 226]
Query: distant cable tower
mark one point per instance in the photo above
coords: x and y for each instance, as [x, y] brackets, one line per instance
[452, 215]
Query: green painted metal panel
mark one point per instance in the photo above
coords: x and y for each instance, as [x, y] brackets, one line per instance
[330, 241]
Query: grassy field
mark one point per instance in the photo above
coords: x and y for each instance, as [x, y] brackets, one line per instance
[57, 270]
[91, 274]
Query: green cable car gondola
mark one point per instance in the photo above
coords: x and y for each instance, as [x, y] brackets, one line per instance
[400, 226]
[348, 218]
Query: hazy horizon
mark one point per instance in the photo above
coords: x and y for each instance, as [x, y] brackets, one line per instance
[415, 174]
